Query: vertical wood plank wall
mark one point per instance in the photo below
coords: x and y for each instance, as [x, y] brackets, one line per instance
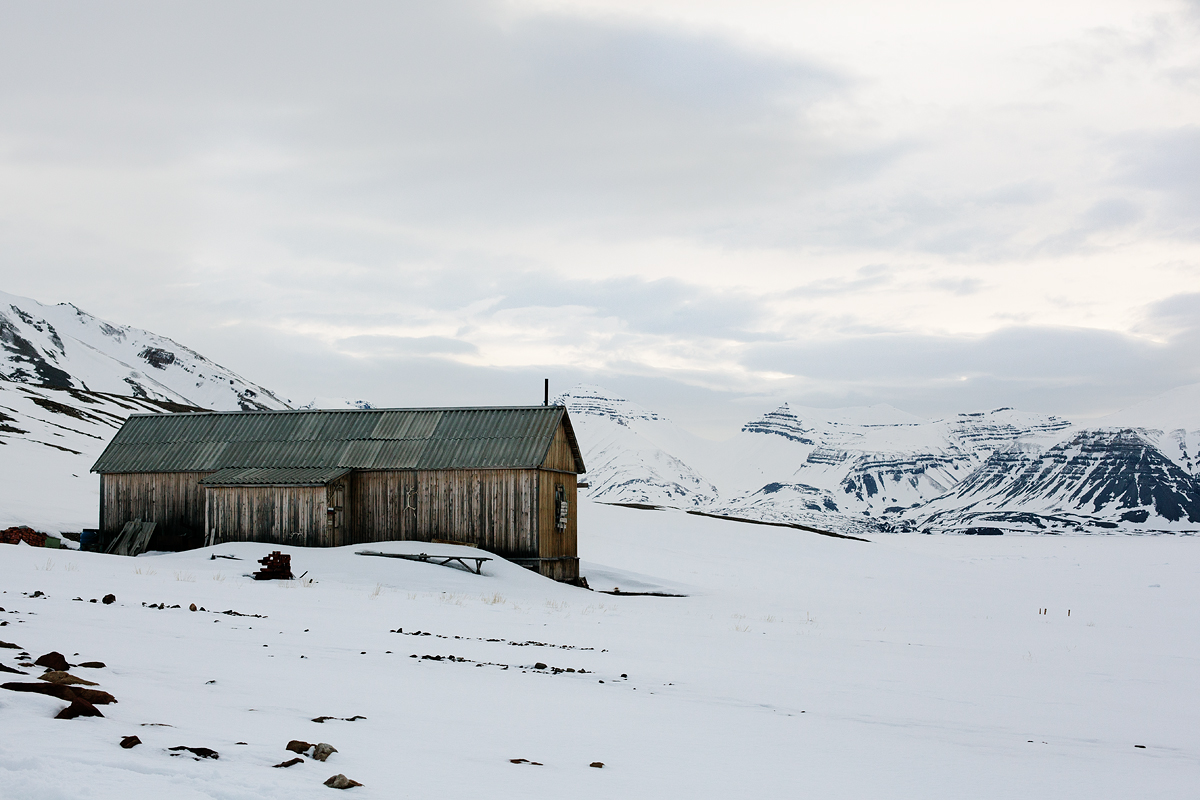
[294, 515]
[559, 456]
[553, 543]
[174, 500]
[490, 508]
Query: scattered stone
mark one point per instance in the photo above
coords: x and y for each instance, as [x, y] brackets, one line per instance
[92, 664]
[53, 660]
[78, 708]
[1140, 746]
[108, 599]
[539, 665]
[38, 593]
[597, 764]
[323, 751]
[62, 692]
[202, 752]
[192, 607]
[10, 646]
[519, 760]
[130, 742]
[297, 746]
[291, 762]
[340, 781]
[4, 668]
[56, 676]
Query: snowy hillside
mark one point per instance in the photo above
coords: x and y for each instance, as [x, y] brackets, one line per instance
[856, 470]
[634, 455]
[795, 666]
[67, 382]
[65, 347]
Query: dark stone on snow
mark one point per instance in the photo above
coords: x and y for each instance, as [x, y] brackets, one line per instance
[62, 692]
[539, 665]
[291, 762]
[597, 764]
[4, 668]
[108, 599]
[202, 752]
[92, 664]
[323, 751]
[130, 742]
[297, 746]
[340, 781]
[53, 660]
[10, 646]
[78, 708]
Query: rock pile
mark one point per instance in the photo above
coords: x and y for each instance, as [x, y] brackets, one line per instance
[22, 534]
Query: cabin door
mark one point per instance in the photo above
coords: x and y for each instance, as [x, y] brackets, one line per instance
[338, 533]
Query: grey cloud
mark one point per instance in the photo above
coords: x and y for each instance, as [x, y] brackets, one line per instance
[427, 112]
[1166, 163]
[381, 345]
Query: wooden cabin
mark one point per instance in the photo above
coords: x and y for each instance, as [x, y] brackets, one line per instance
[501, 479]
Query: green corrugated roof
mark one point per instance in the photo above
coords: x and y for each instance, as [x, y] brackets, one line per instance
[386, 438]
[267, 476]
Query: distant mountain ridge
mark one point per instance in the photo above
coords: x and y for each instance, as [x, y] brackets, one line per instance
[880, 469]
[64, 347]
[69, 379]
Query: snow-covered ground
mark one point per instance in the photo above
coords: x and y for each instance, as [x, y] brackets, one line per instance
[797, 665]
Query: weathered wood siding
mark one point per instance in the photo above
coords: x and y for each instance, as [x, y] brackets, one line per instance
[174, 500]
[494, 509]
[559, 545]
[559, 456]
[294, 515]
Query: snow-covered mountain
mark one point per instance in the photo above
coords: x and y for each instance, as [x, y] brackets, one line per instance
[67, 348]
[879, 468]
[67, 382]
[634, 455]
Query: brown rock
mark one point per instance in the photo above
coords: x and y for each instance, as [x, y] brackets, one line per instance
[323, 751]
[192, 607]
[4, 668]
[10, 646]
[597, 764]
[94, 696]
[92, 664]
[108, 599]
[53, 660]
[130, 742]
[297, 746]
[78, 708]
[340, 781]
[54, 676]
[291, 762]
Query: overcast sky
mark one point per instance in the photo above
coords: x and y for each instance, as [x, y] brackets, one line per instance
[710, 207]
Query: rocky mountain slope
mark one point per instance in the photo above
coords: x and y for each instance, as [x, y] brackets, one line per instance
[68, 379]
[67, 382]
[65, 347]
[881, 469]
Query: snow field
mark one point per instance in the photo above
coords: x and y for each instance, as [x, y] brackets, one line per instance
[908, 666]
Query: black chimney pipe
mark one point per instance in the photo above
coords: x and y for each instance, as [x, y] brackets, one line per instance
[546, 401]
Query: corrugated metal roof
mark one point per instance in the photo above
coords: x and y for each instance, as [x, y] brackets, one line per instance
[258, 476]
[396, 438]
